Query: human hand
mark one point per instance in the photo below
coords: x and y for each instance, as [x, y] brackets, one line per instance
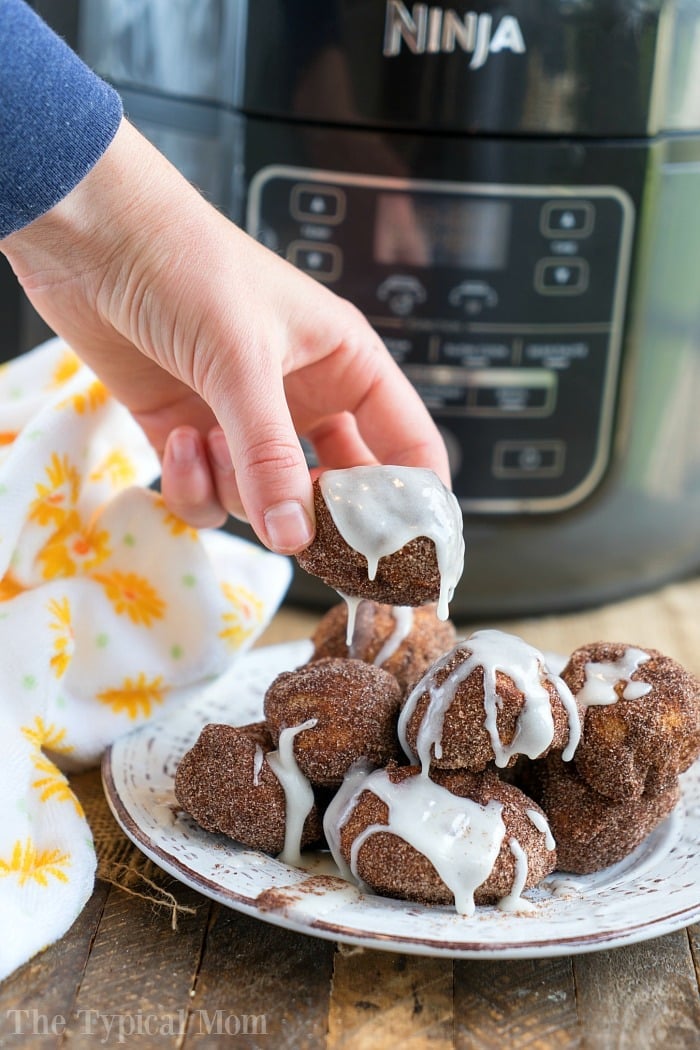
[223, 352]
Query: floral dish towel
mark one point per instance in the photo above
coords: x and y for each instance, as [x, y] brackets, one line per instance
[111, 609]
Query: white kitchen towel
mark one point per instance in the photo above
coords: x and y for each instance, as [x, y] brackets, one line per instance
[111, 609]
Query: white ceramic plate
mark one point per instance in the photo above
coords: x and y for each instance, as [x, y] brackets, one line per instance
[652, 892]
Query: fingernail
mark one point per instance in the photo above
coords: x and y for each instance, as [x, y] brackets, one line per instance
[220, 451]
[183, 447]
[288, 526]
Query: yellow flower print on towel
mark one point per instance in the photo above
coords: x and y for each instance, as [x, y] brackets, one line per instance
[64, 640]
[111, 612]
[117, 468]
[243, 618]
[27, 862]
[132, 595]
[10, 587]
[66, 367]
[58, 495]
[87, 400]
[41, 734]
[75, 548]
[135, 698]
[52, 783]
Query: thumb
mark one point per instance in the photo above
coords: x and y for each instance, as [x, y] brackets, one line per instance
[271, 475]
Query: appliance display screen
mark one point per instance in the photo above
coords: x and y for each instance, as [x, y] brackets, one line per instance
[438, 230]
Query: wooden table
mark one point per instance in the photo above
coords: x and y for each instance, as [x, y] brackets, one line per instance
[151, 963]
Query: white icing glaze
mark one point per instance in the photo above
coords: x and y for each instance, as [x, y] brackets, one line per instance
[460, 838]
[601, 678]
[513, 901]
[339, 810]
[403, 621]
[542, 824]
[353, 603]
[299, 796]
[378, 510]
[258, 759]
[493, 651]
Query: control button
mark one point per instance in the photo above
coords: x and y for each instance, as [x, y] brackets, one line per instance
[511, 391]
[473, 296]
[440, 388]
[401, 292]
[528, 459]
[323, 261]
[407, 346]
[325, 204]
[503, 400]
[561, 277]
[557, 353]
[567, 219]
[475, 353]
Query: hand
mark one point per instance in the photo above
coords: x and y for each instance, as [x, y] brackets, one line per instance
[222, 351]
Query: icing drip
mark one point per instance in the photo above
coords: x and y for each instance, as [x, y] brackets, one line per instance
[460, 838]
[257, 764]
[403, 621]
[514, 901]
[542, 824]
[430, 732]
[299, 796]
[601, 679]
[339, 810]
[353, 603]
[351, 640]
[493, 651]
[378, 510]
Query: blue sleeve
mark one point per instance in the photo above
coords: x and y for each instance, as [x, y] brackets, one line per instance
[56, 117]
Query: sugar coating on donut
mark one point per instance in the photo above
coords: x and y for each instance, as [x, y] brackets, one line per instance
[390, 534]
[452, 837]
[489, 699]
[590, 830]
[225, 782]
[402, 640]
[354, 705]
[642, 718]
[507, 758]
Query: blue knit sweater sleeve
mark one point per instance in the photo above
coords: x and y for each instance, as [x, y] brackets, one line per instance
[56, 117]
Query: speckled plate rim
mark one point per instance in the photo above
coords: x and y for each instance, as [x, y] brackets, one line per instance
[653, 892]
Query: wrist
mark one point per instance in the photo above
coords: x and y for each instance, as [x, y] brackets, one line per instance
[97, 228]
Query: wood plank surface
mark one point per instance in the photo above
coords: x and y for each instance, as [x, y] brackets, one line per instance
[138, 980]
[383, 1000]
[41, 995]
[264, 985]
[510, 1005]
[641, 996]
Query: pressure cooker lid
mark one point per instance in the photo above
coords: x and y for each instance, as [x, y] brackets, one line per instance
[606, 67]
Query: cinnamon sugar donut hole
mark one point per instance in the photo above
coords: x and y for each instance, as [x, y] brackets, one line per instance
[226, 784]
[639, 743]
[355, 706]
[379, 632]
[590, 830]
[465, 741]
[409, 577]
[392, 867]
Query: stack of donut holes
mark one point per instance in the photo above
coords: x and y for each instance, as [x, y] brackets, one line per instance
[620, 783]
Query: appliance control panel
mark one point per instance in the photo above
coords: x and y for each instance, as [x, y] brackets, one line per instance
[504, 304]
